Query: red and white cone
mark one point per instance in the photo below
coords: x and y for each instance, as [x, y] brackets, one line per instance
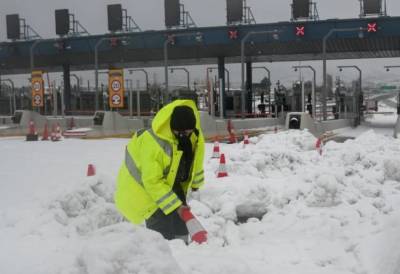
[216, 150]
[246, 138]
[275, 129]
[91, 170]
[32, 134]
[53, 133]
[58, 132]
[196, 231]
[222, 168]
[232, 138]
[32, 130]
[318, 146]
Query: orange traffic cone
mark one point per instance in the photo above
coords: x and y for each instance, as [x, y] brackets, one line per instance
[222, 168]
[45, 136]
[232, 138]
[32, 134]
[246, 138]
[318, 146]
[216, 149]
[91, 170]
[231, 132]
[196, 231]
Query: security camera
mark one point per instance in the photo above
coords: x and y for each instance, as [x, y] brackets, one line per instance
[295, 69]
[387, 69]
[340, 69]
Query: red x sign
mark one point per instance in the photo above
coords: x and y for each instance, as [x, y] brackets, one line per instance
[372, 27]
[300, 31]
[233, 34]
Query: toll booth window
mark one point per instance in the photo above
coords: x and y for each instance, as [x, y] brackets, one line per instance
[98, 118]
[294, 122]
[16, 118]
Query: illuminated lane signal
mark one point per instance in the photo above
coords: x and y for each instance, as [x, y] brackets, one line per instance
[372, 27]
[233, 34]
[300, 30]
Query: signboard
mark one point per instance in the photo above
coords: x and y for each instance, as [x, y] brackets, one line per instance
[372, 6]
[172, 13]
[116, 88]
[234, 10]
[37, 88]
[62, 21]
[13, 26]
[114, 14]
[301, 9]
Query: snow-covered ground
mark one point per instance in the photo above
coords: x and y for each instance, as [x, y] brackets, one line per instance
[335, 213]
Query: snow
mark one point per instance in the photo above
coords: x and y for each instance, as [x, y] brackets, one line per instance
[283, 209]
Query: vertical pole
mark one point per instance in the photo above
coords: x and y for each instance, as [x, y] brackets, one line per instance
[55, 98]
[221, 99]
[62, 102]
[130, 98]
[67, 86]
[221, 76]
[138, 97]
[314, 105]
[324, 87]
[188, 79]
[166, 94]
[249, 88]
[212, 99]
[302, 94]
[10, 102]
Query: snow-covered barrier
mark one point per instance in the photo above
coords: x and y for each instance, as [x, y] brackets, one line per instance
[303, 120]
[20, 123]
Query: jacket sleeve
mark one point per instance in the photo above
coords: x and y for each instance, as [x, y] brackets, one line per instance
[154, 180]
[198, 176]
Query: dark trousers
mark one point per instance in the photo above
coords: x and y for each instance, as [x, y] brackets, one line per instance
[170, 226]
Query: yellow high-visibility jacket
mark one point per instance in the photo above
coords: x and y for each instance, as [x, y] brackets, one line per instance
[148, 172]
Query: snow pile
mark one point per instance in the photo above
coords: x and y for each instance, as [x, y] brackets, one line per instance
[283, 209]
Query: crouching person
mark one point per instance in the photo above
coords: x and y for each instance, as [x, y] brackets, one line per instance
[162, 165]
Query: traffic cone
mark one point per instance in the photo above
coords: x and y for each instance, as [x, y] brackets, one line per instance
[91, 170]
[196, 231]
[32, 130]
[45, 136]
[58, 132]
[222, 168]
[32, 134]
[231, 132]
[53, 133]
[232, 138]
[276, 129]
[216, 149]
[246, 138]
[318, 146]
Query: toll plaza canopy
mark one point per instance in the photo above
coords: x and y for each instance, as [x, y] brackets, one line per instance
[283, 41]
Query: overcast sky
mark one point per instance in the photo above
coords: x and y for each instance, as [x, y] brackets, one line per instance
[149, 15]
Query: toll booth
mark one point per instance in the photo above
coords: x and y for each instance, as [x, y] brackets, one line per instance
[233, 103]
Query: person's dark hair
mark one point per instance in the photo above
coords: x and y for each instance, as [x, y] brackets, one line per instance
[183, 118]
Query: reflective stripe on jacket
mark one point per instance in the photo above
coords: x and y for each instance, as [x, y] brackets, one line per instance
[148, 173]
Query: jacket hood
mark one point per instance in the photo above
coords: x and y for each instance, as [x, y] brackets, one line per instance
[161, 122]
